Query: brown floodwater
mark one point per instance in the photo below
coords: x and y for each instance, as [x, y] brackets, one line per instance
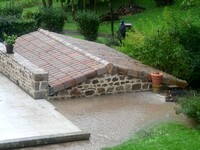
[112, 119]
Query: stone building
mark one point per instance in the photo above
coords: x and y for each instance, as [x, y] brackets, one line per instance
[54, 66]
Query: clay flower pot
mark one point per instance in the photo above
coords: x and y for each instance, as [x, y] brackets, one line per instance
[156, 79]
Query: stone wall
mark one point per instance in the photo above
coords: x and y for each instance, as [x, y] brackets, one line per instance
[26, 75]
[104, 84]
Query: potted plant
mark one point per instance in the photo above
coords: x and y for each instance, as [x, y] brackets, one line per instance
[9, 41]
[156, 80]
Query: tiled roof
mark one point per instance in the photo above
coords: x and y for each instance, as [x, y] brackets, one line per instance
[71, 61]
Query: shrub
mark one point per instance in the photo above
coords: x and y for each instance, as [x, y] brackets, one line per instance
[5, 23]
[189, 3]
[12, 25]
[161, 50]
[21, 26]
[88, 23]
[173, 48]
[163, 2]
[189, 38]
[190, 106]
[51, 19]
[11, 9]
[29, 3]
[112, 41]
[30, 14]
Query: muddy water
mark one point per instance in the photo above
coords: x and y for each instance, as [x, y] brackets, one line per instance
[112, 119]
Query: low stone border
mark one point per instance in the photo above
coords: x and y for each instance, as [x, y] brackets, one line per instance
[44, 140]
[26, 75]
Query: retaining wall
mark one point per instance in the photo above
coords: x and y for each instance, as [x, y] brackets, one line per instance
[26, 75]
[102, 85]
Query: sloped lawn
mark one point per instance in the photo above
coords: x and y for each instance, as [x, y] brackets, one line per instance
[169, 136]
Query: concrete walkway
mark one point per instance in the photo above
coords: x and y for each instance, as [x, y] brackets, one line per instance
[28, 122]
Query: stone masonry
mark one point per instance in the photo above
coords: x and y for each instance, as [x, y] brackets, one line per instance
[104, 84]
[54, 66]
[26, 75]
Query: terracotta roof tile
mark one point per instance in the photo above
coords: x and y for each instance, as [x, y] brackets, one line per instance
[66, 65]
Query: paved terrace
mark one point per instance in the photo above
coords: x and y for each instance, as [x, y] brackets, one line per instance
[72, 61]
[29, 122]
[68, 61]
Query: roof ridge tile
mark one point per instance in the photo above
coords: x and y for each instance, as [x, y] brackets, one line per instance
[100, 60]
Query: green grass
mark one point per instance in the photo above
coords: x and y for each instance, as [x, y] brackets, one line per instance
[169, 136]
[143, 21]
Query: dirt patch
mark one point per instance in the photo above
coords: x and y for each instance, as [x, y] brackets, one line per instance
[123, 10]
[129, 9]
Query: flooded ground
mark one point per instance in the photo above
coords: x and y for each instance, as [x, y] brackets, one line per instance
[112, 119]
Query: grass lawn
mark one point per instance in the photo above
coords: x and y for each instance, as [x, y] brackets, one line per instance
[169, 136]
[150, 18]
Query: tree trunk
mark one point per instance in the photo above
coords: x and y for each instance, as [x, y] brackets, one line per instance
[44, 3]
[61, 3]
[84, 4]
[111, 18]
[50, 3]
[73, 10]
[95, 5]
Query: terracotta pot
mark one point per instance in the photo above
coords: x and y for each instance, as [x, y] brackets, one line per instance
[156, 79]
[9, 49]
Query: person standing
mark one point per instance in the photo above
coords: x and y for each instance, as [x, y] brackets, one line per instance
[121, 31]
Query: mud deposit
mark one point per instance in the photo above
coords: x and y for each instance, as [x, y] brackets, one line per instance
[112, 119]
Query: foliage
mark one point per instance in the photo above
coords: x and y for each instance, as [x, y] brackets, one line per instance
[163, 2]
[11, 25]
[113, 41]
[190, 106]
[30, 14]
[11, 9]
[29, 3]
[88, 23]
[48, 3]
[52, 19]
[189, 3]
[169, 136]
[189, 38]
[9, 39]
[159, 49]
[21, 27]
[5, 23]
[173, 48]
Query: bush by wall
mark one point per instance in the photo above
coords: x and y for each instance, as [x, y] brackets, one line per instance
[190, 106]
[21, 27]
[189, 3]
[4, 25]
[88, 23]
[11, 9]
[51, 19]
[173, 48]
[159, 49]
[190, 39]
[12, 25]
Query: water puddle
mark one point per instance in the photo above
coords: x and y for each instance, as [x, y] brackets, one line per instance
[112, 118]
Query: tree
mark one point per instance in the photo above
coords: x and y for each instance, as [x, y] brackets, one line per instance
[48, 3]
